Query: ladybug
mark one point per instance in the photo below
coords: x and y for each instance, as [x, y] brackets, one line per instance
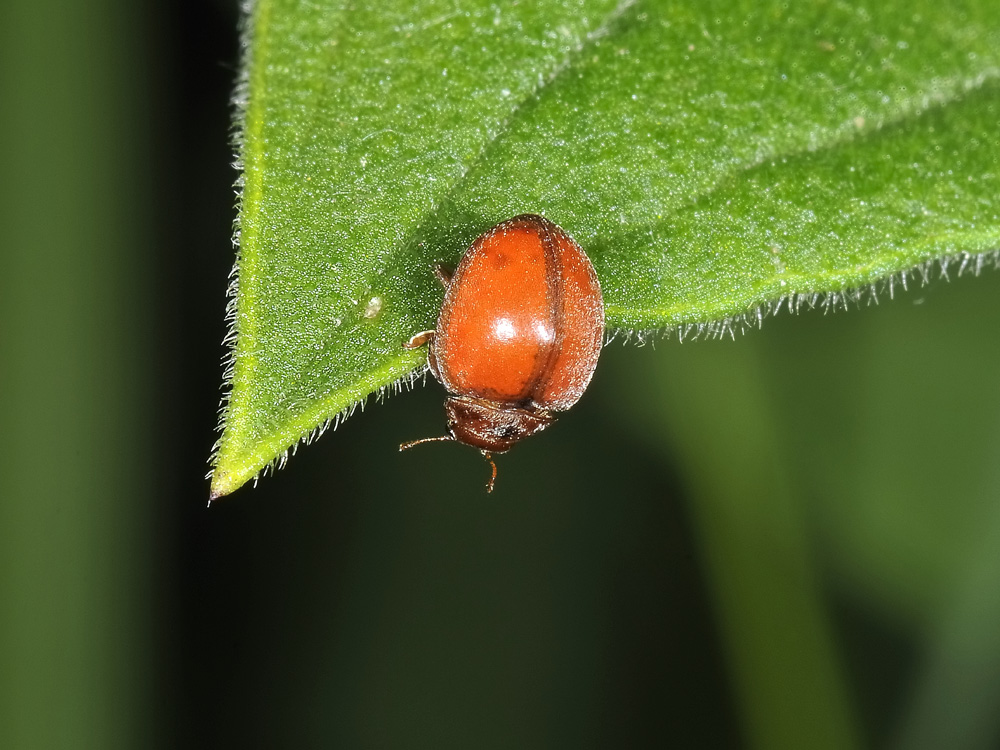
[518, 336]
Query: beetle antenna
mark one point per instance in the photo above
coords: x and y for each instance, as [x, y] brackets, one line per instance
[407, 446]
[493, 479]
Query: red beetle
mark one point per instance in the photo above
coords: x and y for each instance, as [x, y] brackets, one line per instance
[518, 336]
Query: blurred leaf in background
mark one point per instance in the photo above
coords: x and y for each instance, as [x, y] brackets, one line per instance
[76, 378]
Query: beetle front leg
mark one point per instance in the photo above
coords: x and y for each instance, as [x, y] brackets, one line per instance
[418, 340]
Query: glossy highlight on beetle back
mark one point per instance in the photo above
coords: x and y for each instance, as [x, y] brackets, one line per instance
[518, 337]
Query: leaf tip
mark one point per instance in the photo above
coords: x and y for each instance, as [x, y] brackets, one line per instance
[222, 485]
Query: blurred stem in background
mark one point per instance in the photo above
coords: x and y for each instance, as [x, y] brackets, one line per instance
[708, 410]
[957, 693]
[74, 368]
[849, 458]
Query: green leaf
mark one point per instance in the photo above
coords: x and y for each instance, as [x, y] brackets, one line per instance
[713, 158]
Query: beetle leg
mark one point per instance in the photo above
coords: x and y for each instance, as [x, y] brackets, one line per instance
[410, 444]
[444, 273]
[418, 340]
[493, 479]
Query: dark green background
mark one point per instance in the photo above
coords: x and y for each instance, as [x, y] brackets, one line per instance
[625, 586]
